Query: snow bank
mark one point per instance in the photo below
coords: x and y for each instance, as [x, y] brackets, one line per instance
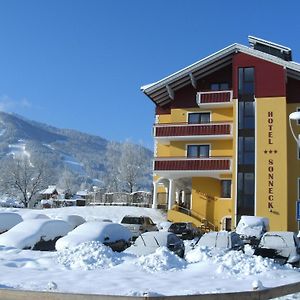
[234, 262]
[9, 220]
[161, 260]
[29, 232]
[90, 255]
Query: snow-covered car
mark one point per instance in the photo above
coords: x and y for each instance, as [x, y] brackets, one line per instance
[283, 246]
[110, 234]
[9, 220]
[34, 215]
[148, 242]
[164, 226]
[226, 240]
[252, 228]
[185, 230]
[35, 234]
[138, 224]
[73, 220]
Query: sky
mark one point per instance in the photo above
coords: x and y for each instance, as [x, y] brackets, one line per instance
[79, 64]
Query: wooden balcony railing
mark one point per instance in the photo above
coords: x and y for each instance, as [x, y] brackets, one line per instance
[214, 97]
[192, 164]
[185, 129]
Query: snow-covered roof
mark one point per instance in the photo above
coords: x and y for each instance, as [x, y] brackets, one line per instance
[162, 91]
[50, 190]
[82, 193]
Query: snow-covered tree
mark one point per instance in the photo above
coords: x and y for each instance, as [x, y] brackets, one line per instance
[23, 180]
[134, 166]
[128, 165]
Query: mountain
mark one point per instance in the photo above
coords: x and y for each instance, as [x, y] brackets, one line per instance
[84, 157]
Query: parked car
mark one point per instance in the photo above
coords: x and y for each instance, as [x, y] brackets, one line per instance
[226, 240]
[114, 235]
[252, 228]
[9, 220]
[35, 234]
[185, 230]
[138, 225]
[73, 220]
[148, 242]
[283, 246]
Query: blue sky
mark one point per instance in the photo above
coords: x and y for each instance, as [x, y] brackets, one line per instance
[80, 64]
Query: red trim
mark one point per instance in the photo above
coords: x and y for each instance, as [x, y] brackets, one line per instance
[215, 97]
[190, 130]
[192, 165]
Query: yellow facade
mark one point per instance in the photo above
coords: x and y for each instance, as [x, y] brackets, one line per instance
[271, 158]
[276, 180]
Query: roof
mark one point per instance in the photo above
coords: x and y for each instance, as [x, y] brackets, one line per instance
[50, 190]
[162, 91]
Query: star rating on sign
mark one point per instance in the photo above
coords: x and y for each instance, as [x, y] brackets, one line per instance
[270, 151]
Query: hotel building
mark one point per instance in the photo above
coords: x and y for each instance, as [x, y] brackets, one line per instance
[223, 146]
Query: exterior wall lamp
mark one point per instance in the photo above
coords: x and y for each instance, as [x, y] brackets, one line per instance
[294, 116]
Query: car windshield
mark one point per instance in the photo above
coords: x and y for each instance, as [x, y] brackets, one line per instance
[178, 226]
[132, 220]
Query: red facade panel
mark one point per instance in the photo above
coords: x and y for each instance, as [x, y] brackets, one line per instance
[185, 130]
[269, 77]
[293, 91]
[192, 165]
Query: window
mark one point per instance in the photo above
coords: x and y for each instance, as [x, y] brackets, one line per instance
[298, 188]
[198, 118]
[246, 81]
[198, 151]
[246, 150]
[226, 188]
[223, 86]
[246, 115]
[298, 121]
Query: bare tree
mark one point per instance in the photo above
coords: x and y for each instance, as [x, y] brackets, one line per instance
[23, 180]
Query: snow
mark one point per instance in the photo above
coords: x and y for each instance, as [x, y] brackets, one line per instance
[19, 150]
[9, 220]
[93, 268]
[29, 232]
[73, 220]
[251, 226]
[93, 231]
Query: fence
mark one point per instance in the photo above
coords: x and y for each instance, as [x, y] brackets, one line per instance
[268, 293]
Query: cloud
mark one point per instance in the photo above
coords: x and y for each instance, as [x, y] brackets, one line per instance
[7, 104]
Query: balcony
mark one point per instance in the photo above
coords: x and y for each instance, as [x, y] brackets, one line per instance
[186, 166]
[167, 132]
[214, 99]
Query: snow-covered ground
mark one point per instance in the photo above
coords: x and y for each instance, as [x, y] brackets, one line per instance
[93, 268]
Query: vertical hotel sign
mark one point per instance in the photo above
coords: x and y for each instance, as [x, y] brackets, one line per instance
[270, 165]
